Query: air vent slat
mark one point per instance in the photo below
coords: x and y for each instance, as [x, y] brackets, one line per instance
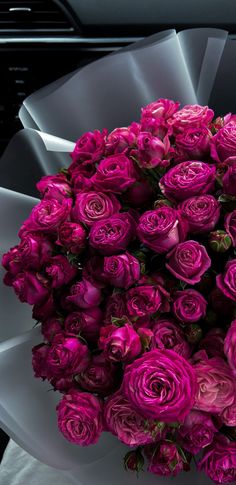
[29, 15]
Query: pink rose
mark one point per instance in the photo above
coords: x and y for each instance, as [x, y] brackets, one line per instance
[228, 415]
[91, 207]
[31, 253]
[202, 213]
[121, 271]
[189, 306]
[223, 143]
[46, 217]
[160, 385]
[188, 261]
[193, 143]
[161, 229]
[112, 235]
[44, 310]
[196, 432]
[39, 355]
[120, 344]
[12, 262]
[59, 271]
[187, 179]
[120, 140]
[226, 281]
[151, 151]
[115, 174]
[90, 146]
[164, 459]
[99, 377]
[72, 236]
[79, 417]
[87, 323]
[51, 327]
[191, 116]
[66, 356]
[160, 109]
[230, 346]
[168, 335]
[216, 385]
[230, 226]
[54, 187]
[229, 180]
[62, 384]
[143, 300]
[125, 423]
[31, 287]
[84, 295]
[213, 343]
[219, 460]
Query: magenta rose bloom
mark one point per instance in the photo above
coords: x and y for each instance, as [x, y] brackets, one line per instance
[46, 217]
[160, 385]
[142, 301]
[79, 417]
[216, 385]
[168, 335]
[196, 432]
[31, 253]
[90, 146]
[162, 108]
[230, 345]
[39, 356]
[59, 271]
[228, 416]
[202, 213]
[99, 377]
[47, 309]
[32, 288]
[187, 179]
[230, 226]
[229, 180]
[66, 356]
[123, 421]
[115, 174]
[223, 143]
[91, 207]
[121, 271]
[72, 236]
[120, 344]
[226, 282]
[84, 295]
[189, 306]
[161, 229]
[191, 116]
[151, 151]
[188, 261]
[87, 323]
[54, 187]
[112, 235]
[219, 460]
[193, 143]
[51, 327]
[120, 140]
[164, 459]
[213, 343]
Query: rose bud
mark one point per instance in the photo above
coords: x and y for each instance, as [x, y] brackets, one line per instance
[59, 271]
[187, 179]
[115, 308]
[121, 271]
[230, 346]
[112, 235]
[160, 109]
[62, 384]
[134, 461]
[168, 335]
[84, 295]
[115, 174]
[191, 116]
[100, 377]
[66, 356]
[189, 306]
[87, 323]
[196, 432]
[219, 241]
[164, 459]
[54, 187]
[201, 212]
[32, 288]
[228, 415]
[219, 460]
[90, 146]
[91, 207]
[79, 417]
[120, 344]
[151, 151]
[120, 140]
[146, 336]
[168, 398]
[161, 229]
[188, 261]
[193, 333]
[72, 236]
[226, 282]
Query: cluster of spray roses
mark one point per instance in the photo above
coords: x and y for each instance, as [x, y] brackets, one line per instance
[130, 266]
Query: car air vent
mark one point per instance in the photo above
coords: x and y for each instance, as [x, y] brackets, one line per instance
[34, 16]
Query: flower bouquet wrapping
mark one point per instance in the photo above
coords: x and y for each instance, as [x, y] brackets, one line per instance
[129, 263]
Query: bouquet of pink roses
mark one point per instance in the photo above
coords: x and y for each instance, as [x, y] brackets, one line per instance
[129, 263]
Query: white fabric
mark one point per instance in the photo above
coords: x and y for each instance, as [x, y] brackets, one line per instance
[20, 468]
